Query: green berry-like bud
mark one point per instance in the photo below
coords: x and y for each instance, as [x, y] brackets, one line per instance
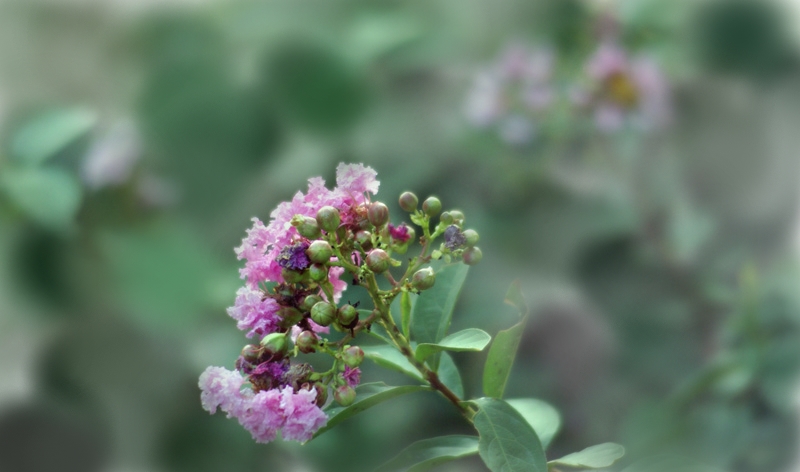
[323, 313]
[423, 279]
[344, 395]
[378, 261]
[472, 255]
[291, 276]
[275, 344]
[446, 218]
[458, 216]
[378, 214]
[319, 251]
[307, 341]
[364, 238]
[322, 394]
[408, 201]
[353, 356]
[289, 316]
[318, 272]
[309, 302]
[347, 314]
[431, 206]
[328, 218]
[471, 237]
[250, 353]
[306, 226]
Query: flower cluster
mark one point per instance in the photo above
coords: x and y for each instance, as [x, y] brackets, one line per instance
[294, 270]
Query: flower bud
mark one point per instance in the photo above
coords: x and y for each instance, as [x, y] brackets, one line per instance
[291, 276]
[446, 218]
[275, 344]
[323, 313]
[364, 238]
[250, 353]
[347, 314]
[344, 395]
[458, 216]
[408, 201]
[289, 316]
[309, 302]
[353, 356]
[328, 218]
[322, 394]
[378, 214]
[472, 255]
[378, 261]
[319, 251]
[471, 237]
[307, 342]
[306, 226]
[431, 206]
[423, 279]
[318, 272]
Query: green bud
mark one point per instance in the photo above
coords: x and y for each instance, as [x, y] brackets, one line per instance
[431, 206]
[446, 218]
[378, 214]
[458, 216]
[471, 236]
[347, 314]
[423, 279]
[322, 394]
[275, 344]
[328, 218]
[408, 201]
[364, 238]
[472, 255]
[323, 313]
[318, 272]
[353, 356]
[251, 353]
[307, 342]
[309, 302]
[306, 226]
[289, 316]
[291, 276]
[344, 395]
[319, 251]
[378, 261]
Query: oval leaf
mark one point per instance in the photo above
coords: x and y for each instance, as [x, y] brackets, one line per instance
[433, 309]
[449, 375]
[501, 359]
[368, 395]
[507, 442]
[428, 453]
[543, 417]
[595, 457]
[471, 339]
[51, 197]
[46, 135]
[390, 358]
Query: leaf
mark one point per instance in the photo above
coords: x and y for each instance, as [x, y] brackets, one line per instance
[390, 358]
[514, 298]
[471, 339]
[595, 457]
[507, 442]
[428, 453]
[405, 313]
[543, 417]
[368, 395]
[449, 375]
[501, 359]
[49, 133]
[433, 309]
[51, 197]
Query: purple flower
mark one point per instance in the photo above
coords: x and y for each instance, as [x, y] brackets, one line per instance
[352, 376]
[294, 257]
[268, 375]
[399, 233]
[254, 313]
[453, 237]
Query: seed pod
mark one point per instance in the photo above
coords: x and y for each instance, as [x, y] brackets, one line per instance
[319, 251]
[432, 206]
[323, 313]
[328, 218]
[472, 255]
[423, 279]
[408, 201]
[378, 214]
[378, 261]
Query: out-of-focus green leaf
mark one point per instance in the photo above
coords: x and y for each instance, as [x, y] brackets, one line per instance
[405, 313]
[471, 339]
[501, 359]
[368, 395]
[428, 453]
[595, 457]
[47, 134]
[390, 358]
[543, 417]
[507, 442]
[374, 36]
[51, 197]
[449, 375]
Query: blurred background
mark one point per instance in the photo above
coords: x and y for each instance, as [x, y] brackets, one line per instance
[633, 163]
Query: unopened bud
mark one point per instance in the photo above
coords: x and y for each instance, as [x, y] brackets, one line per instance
[353, 356]
[408, 201]
[364, 238]
[318, 272]
[472, 255]
[323, 313]
[446, 218]
[431, 206]
[344, 395]
[423, 279]
[458, 216]
[378, 261]
[322, 394]
[306, 226]
[307, 342]
[250, 353]
[319, 251]
[471, 237]
[347, 314]
[275, 344]
[328, 218]
[289, 316]
[378, 214]
[309, 302]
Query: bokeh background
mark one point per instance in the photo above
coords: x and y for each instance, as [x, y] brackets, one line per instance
[660, 258]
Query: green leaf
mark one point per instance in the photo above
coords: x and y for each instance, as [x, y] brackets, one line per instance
[49, 133]
[501, 359]
[368, 395]
[449, 375]
[595, 457]
[543, 417]
[507, 442]
[428, 453]
[405, 313]
[433, 309]
[471, 339]
[51, 197]
[390, 358]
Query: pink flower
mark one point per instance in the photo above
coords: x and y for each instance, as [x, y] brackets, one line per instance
[303, 416]
[352, 376]
[254, 313]
[220, 388]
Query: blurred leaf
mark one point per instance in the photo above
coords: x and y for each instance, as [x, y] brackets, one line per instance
[405, 313]
[507, 442]
[595, 457]
[374, 36]
[44, 136]
[368, 395]
[543, 417]
[501, 359]
[428, 453]
[391, 358]
[471, 339]
[51, 197]
[449, 375]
